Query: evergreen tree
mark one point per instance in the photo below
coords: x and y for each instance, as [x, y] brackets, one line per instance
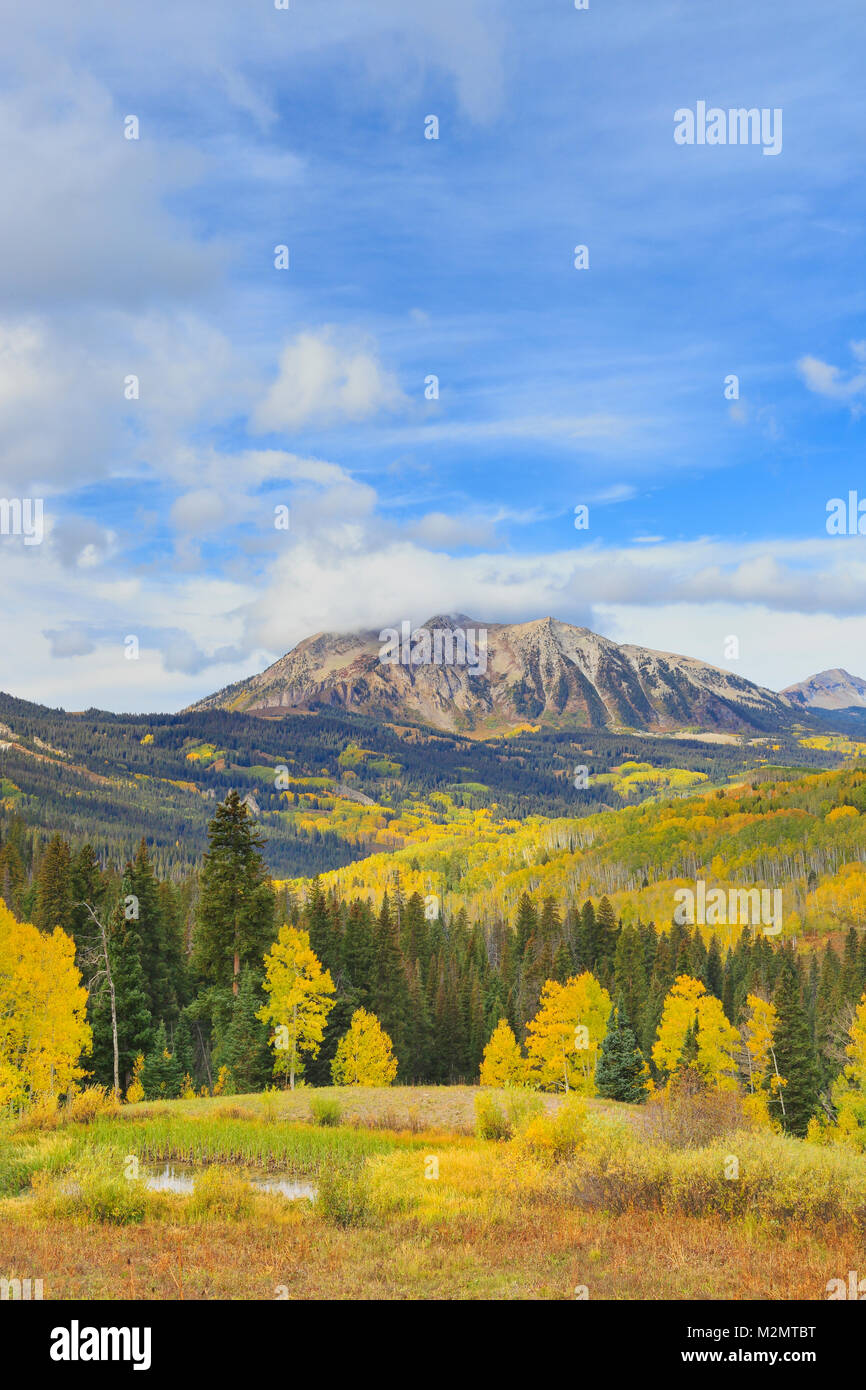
[141, 903]
[161, 1076]
[134, 1021]
[795, 1052]
[53, 906]
[235, 920]
[391, 989]
[620, 1072]
[243, 1047]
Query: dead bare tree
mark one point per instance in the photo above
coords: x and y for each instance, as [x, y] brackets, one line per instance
[100, 953]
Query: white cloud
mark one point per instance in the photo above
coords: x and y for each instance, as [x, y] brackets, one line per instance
[323, 381]
[826, 380]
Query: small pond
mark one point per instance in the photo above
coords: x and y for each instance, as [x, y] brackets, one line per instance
[180, 1177]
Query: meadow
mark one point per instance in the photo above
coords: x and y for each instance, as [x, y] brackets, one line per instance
[425, 1193]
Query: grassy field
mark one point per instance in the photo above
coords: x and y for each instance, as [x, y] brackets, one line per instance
[413, 1204]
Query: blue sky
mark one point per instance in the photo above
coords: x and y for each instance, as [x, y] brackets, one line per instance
[412, 257]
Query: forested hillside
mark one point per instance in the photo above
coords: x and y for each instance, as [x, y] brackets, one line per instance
[111, 780]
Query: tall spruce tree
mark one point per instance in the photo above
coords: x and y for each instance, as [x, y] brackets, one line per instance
[235, 919]
[620, 1072]
[795, 1051]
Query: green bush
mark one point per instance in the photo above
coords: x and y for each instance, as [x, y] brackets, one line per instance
[220, 1195]
[95, 1191]
[491, 1122]
[344, 1196]
[326, 1110]
[521, 1106]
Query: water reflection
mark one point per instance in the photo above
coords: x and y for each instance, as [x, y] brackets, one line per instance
[176, 1178]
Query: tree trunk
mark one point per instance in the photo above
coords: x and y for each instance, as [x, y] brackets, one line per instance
[104, 935]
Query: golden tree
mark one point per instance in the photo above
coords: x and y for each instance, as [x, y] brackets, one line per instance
[849, 1090]
[364, 1055]
[299, 1000]
[43, 1028]
[564, 1037]
[718, 1041]
[503, 1063]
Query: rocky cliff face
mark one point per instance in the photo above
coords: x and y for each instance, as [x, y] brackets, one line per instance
[544, 671]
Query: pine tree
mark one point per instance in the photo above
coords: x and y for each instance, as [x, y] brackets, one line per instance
[795, 1052]
[141, 899]
[605, 939]
[54, 888]
[243, 1047]
[359, 953]
[621, 1071]
[235, 921]
[134, 1020]
[161, 1076]
[391, 989]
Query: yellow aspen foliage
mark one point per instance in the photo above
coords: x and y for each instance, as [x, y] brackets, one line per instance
[364, 1055]
[299, 1000]
[758, 1033]
[503, 1063]
[848, 1091]
[841, 898]
[855, 1071]
[223, 1082]
[564, 1037]
[43, 1028]
[135, 1090]
[718, 1040]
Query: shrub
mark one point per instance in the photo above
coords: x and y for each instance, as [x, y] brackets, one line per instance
[554, 1138]
[270, 1106]
[491, 1122]
[15, 1172]
[325, 1110]
[689, 1116]
[233, 1112]
[93, 1103]
[95, 1191]
[220, 1194]
[344, 1196]
[135, 1090]
[521, 1106]
[223, 1084]
[43, 1114]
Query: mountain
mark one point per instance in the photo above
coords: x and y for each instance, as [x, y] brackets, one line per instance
[545, 671]
[833, 690]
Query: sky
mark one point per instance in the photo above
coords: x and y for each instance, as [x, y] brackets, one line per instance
[432, 386]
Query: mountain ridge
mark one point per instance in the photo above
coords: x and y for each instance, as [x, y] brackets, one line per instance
[540, 671]
[833, 689]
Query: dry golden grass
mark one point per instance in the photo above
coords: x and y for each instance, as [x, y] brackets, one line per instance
[634, 1256]
[441, 1214]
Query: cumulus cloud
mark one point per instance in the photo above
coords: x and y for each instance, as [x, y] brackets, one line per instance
[324, 381]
